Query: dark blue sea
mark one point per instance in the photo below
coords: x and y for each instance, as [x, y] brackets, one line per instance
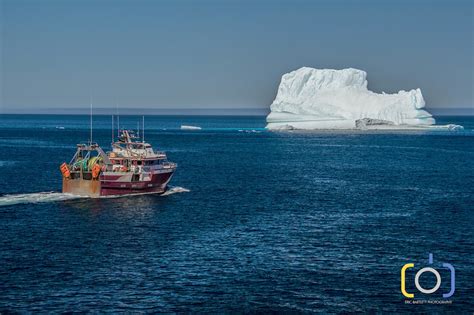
[254, 221]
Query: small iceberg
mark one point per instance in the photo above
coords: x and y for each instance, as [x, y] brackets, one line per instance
[186, 127]
[450, 127]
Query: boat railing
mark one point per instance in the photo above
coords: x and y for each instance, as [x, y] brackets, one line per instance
[168, 164]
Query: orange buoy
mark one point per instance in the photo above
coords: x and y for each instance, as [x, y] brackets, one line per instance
[96, 171]
[65, 170]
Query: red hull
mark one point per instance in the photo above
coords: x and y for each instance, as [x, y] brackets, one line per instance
[121, 191]
[112, 186]
[156, 185]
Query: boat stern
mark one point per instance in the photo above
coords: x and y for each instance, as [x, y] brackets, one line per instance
[81, 187]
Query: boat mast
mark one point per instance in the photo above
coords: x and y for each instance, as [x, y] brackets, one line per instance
[143, 132]
[118, 121]
[113, 129]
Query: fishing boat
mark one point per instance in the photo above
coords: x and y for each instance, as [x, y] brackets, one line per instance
[131, 167]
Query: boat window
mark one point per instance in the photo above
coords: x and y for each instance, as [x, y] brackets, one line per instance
[137, 146]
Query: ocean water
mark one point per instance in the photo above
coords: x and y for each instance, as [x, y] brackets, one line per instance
[255, 221]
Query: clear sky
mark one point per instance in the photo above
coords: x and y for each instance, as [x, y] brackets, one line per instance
[226, 54]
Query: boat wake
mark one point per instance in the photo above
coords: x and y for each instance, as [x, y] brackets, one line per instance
[175, 190]
[51, 196]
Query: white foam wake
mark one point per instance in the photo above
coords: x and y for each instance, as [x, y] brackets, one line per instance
[51, 196]
[8, 200]
[175, 190]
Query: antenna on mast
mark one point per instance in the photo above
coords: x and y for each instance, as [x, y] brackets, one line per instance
[118, 120]
[91, 120]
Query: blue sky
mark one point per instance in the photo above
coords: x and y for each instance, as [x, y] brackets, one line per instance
[226, 54]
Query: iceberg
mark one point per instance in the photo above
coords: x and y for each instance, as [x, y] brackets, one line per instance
[311, 98]
[186, 127]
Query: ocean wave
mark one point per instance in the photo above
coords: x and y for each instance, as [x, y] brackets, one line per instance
[6, 163]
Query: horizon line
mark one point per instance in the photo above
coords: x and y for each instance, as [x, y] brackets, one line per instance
[243, 111]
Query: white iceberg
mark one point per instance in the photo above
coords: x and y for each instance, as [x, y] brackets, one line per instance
[311, 98]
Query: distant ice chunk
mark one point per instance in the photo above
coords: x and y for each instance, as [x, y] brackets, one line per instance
[454, 127]
[335, 99]
[186, 127]
[450, 127]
